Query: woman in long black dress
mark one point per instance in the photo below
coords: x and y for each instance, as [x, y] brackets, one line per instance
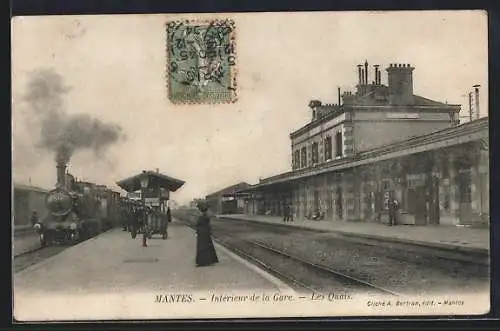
[205, 250]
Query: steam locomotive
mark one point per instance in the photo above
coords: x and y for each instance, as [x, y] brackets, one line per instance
[77, 210]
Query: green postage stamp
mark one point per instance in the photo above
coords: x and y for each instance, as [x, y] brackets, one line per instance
[201, 61]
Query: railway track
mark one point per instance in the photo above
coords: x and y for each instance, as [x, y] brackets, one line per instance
[444, 254]
[303, 275]
[34, 256]
[390, 266]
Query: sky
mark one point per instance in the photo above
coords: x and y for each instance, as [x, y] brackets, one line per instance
[115, 68]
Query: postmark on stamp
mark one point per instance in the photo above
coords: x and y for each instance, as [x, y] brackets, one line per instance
[201, 59]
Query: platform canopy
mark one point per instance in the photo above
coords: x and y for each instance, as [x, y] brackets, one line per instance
[155, 178]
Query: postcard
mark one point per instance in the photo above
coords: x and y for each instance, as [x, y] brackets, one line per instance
[250, 165]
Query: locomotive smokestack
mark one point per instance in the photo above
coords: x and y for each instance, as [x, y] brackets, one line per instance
[61, 174]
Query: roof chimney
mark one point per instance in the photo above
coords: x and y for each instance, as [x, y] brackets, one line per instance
[400, 81]
[360, 75]
[377, 74]
[366, 72]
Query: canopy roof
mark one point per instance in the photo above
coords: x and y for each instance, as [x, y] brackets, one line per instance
[133, 183]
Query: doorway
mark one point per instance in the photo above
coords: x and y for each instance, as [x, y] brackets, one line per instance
[465, 197]
[434, 201]
[316, 201]
[417, 204]
[329, 205]
[338, 203]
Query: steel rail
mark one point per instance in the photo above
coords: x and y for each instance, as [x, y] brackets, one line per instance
[321, 268]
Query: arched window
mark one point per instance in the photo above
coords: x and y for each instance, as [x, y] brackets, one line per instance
[338, 144]
[303, 157]
[296, 159]
[315, 153]
[328, 148]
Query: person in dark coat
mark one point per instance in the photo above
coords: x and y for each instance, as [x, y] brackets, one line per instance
[34, 218]
[124, 217]
[393, 206]
[205, 250]
[286, 213]
[169, 215]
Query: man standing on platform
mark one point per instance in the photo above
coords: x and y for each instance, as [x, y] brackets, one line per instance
[286, 213]
[34, 218]
[393, 206]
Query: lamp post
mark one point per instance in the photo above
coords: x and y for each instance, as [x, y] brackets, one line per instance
[144, 185]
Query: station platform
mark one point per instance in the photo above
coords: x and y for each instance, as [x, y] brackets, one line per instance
[112, 276]
[25, 242]
[446, 237]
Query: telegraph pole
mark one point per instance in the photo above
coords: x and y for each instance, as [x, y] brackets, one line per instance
[476, 91]
[470, 106]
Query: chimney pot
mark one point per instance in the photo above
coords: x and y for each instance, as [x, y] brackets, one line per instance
[400, 83]
[366, 72]
[360, 78]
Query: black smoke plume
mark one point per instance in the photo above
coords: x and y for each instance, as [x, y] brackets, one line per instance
[61, 132]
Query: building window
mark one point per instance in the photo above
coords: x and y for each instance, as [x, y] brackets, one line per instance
[296, 159]
[303, 157]
[338, 144]
[328, 148]
[315, 153]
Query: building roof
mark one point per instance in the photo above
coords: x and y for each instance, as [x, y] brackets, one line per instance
[24, 187]
[133, 183]
[467, 132]
[233, 189]
[372, 99]
[379, 95]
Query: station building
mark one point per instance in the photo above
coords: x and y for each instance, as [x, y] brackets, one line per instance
[228, 200]
[382, 141]
[26, 200]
